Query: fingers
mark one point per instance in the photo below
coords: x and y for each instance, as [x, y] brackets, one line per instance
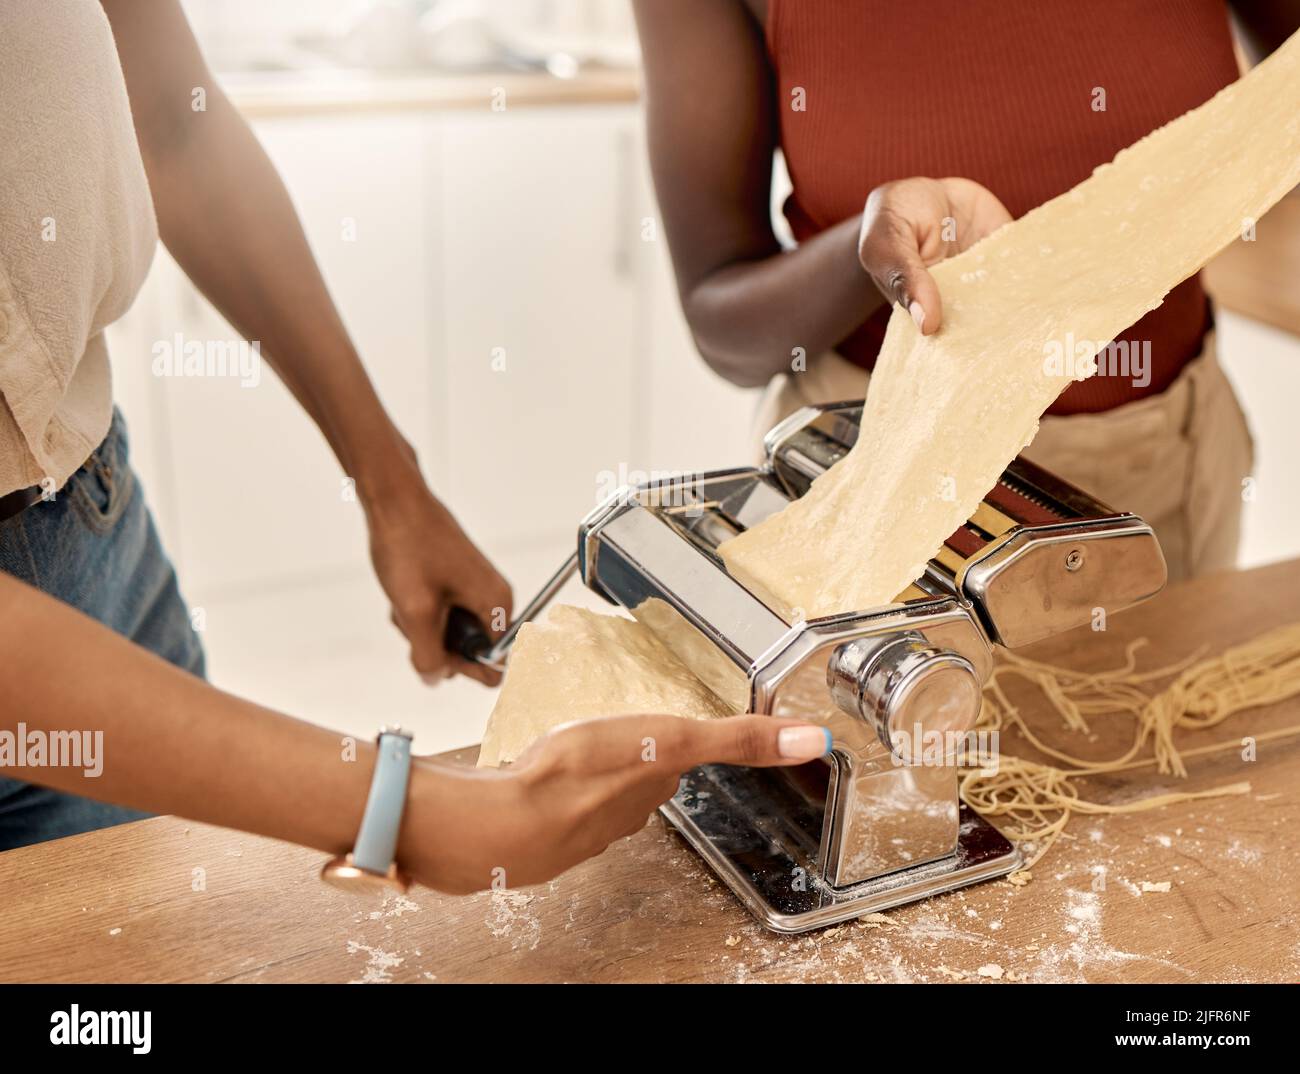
[913, 223]
[755, 741]
[427, 565]
[490, 601]
[479, 587]
[895, 227]
[426, 631]
[655, 745]
[425, 625]
[976, 210]
[423, 620]
[434, 663]
[474, 670]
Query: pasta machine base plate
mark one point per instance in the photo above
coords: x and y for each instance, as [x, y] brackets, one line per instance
[760, 832]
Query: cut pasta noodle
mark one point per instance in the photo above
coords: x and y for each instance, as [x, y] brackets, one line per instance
[1037, 799]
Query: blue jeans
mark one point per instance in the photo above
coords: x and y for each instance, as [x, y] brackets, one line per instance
[94, 547]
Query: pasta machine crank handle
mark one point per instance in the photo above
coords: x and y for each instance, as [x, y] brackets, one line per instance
[467, 635]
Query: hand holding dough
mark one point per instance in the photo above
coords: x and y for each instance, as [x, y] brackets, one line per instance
[1025, 311]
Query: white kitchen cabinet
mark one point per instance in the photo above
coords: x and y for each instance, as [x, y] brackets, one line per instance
[361, 185]
[690, 419]
[694, 420]
[540, 277]
[247, 490]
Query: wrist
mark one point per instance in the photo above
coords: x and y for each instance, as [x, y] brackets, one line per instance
[444, 843]
[447, 839]
[384, 467]
[369, 447]
[414, 836]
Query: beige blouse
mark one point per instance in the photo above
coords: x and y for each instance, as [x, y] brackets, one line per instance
[77, 233]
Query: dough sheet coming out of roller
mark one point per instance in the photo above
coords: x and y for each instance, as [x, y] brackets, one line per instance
[1026, 312]
[577, 665]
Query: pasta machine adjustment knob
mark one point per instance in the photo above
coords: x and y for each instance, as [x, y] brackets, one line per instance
[920, 698]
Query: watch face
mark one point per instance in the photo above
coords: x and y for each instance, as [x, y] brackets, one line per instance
[341, 873]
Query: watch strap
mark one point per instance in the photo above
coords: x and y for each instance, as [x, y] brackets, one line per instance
[377, 840]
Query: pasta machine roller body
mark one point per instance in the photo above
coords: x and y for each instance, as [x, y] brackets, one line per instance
[899, 686]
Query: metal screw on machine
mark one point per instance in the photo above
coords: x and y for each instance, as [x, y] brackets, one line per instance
[905, 687]
[1074, 560]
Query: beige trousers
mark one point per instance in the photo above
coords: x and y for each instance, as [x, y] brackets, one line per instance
[1179, 459]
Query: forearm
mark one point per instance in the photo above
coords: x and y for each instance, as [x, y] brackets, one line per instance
[752, 319]
[170, 742]
[225, 216]
[1263, 25]
[713, 126]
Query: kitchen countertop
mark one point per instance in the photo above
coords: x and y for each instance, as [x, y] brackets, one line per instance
[329, 90]
[118, 905]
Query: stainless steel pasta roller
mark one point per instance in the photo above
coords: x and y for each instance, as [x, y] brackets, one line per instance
[879, 823]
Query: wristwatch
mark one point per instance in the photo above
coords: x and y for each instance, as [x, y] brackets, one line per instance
[370, 866]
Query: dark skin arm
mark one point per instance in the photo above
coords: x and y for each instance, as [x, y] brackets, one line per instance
[1264, 24]
[713, 127]
[712, 120]
[227, 219]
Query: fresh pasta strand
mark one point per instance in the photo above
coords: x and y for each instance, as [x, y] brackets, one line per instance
[1038, 799]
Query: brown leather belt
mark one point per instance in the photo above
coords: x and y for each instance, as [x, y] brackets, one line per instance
[15, 503]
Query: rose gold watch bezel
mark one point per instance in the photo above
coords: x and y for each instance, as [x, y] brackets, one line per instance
[345, 874]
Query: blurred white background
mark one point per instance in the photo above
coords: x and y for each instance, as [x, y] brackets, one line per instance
[447, 231]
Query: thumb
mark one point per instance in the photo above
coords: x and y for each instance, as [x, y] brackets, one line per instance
[755, 741]
[889, 248]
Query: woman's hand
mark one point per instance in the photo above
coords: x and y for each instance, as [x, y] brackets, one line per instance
[427, 565]
[573, 793]
[914, 223]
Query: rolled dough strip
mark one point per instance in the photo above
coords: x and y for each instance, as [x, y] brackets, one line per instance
[1025, 310]
[577, 665]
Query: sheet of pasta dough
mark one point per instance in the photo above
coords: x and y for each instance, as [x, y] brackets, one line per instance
[577, 665]
[946, 413]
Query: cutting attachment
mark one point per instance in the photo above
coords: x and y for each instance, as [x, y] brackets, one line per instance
[899, 687]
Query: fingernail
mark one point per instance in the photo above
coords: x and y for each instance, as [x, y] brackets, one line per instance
[803, 743]
[918, 314]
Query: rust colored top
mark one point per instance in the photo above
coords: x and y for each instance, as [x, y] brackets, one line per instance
[1001, 92]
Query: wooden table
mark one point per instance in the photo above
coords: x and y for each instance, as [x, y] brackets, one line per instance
[120, 905]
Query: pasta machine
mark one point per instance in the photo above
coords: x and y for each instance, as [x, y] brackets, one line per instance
[880, 822]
